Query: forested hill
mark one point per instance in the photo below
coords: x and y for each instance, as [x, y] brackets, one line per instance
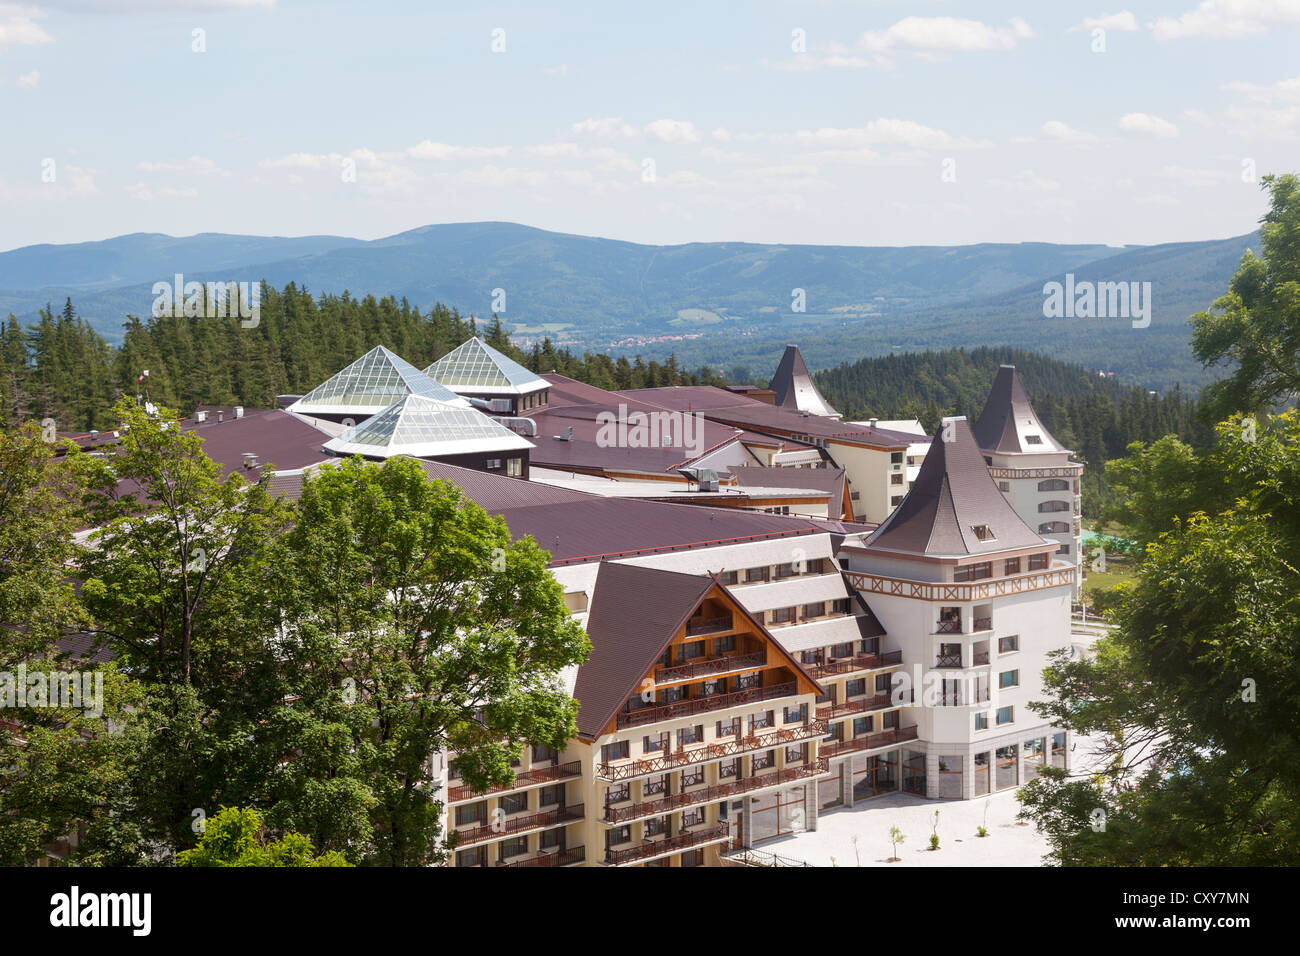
[1097, 417]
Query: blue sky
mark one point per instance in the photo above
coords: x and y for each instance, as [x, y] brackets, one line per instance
[848, 141]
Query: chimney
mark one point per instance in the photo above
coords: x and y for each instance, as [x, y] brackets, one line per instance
[221, 415]
[872, 422]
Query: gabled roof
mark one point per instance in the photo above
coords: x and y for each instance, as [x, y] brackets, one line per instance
[476, 368]
[794, 386]
[425, 427]
[634, 616]
[952, 495]
[370, 384]
[1008, 422]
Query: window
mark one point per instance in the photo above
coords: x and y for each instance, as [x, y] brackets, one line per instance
[793, 714]
[693, 777]
[1011, 566]
[1054, 527]
[896, 479]
[796, 753]
[690, 735]
[654, 785]
[764, 760]
[710, 687]
[515, 467]
[730, 577]
[1046, 506]
[982, 532]
[973, 572]
[982, 721]
[1008, 644]
[471, 814]
[1004, 486]
[895, 457]
[618, 835]
[861, 725]
[785, 571]
[693, 818]
[476, 856]
[1063, 549]
[755, 574]
[515, 802]
[653, 744]
[615, 751]
[782, 615]
[841, 606]
[855, 687]
[692, 650]
[813, 610]
[515, 846]
[551, 839]
[883, 683]
[729, 728]
[655, 826]
[1009, 679]
[729, 768]
[890, 720]
[725, 644]
[1006, 715]
[492, 463]
[551, 796]
[1038, 562]
[1053, 484]
[545, 754]
[693, 858]
[761, 721]
[618, 793]
[1033, 439]
[895, 501]
[842, 650]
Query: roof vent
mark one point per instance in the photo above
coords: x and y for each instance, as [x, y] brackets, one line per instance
[239, 411]
[567, 436]
[520, 426]
[200, 417]
[872, 422]
[94, 434]
[221, 415]
[250, 460]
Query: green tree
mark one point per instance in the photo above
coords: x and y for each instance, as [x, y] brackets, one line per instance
[413, 624]
[236, 837]
[1256, 325]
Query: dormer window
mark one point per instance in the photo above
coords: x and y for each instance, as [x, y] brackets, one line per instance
[982, 532]
[1033, 439]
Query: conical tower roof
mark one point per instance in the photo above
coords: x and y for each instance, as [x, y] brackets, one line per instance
[954, 507]
[476, 368]
[426, 428]
[794, 386]
[1008, 424]
[371, 384]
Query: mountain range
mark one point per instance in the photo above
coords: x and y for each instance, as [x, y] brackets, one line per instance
[732, 305]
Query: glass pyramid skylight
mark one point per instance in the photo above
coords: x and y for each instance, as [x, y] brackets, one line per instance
[474, 367]
[425, 427]
[371, 384]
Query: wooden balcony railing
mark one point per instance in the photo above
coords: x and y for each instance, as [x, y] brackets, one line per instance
[858, 662]
[519, 824]
[860, 706]
[712, 665]
[527, 778]
[718, 751]
[567, 857]
[708, 625]
[870, 742]
[682, 841]
[702, 705]
[721, 791]
[947, 627]
[948, 660]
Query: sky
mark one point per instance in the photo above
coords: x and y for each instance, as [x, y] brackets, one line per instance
[854, 122]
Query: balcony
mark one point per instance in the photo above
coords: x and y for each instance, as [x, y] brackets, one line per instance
[947, 627]
[520, 824]
[708, 625]
[527, 778]
[948, 660]
[653, 848]
[983, 623]
[886, 738]
[732, 748]
[858, 662]
[569, 857]
[710, 666]
[861, 706]
[702, 705]
[721, 791]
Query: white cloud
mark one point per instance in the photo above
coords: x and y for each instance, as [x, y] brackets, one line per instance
[881, 132]
[945, 35]
[1197, 178]
[561, 70]
[672, 131]
[611, 127]
[1056, 130]
[29, 81]
[195, 164]
[1284, 91]
[1026, 181]
[1228, 18]
[427, 149]
[1122, 22]
[1144, 124]
[146, 193]
[18, 26]
[1156, 199]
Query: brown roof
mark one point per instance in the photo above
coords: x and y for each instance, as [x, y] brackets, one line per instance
[952, 495]
[1008, 416]
[794, 386]
[634, 616]
[829, 480]
[276, 437]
